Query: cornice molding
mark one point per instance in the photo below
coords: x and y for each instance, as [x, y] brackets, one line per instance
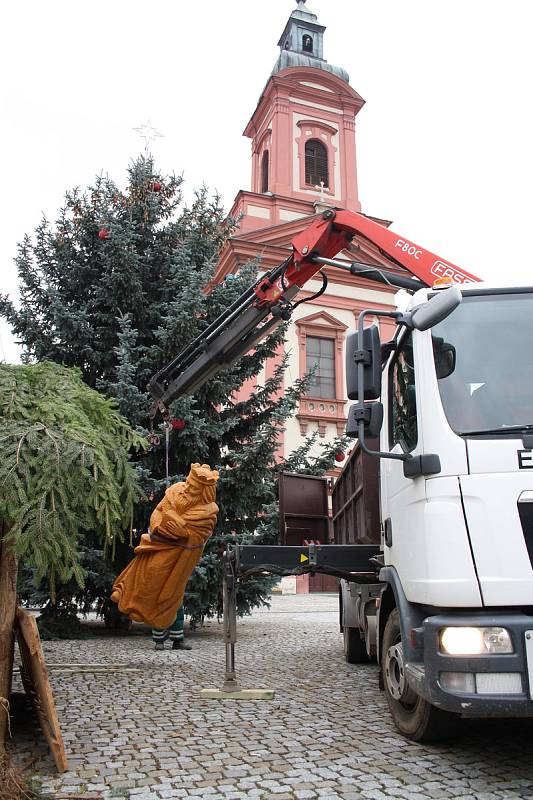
[317, 123]
[321, 318]
[289, 82]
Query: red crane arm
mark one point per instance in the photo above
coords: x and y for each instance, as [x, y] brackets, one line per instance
[265, 304]
[333, 230]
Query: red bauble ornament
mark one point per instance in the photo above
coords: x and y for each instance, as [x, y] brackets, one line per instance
[156, 186]
[103, 233]
[177, 424]
[339, 456]
[232, 464]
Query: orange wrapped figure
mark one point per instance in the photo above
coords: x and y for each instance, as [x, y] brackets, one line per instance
[151, 587]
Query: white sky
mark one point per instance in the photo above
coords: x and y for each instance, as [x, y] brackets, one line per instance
[444, 142]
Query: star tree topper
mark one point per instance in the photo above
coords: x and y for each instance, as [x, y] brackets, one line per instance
[148, 133]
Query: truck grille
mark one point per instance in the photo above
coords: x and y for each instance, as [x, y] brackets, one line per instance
[526, 518]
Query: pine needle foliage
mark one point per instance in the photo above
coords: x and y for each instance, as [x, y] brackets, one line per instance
[64, 467]
[118, 286]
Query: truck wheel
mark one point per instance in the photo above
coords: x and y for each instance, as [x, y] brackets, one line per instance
[354, 646]
[414, 717]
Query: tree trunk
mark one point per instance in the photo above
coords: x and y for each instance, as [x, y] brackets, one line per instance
[8, 606]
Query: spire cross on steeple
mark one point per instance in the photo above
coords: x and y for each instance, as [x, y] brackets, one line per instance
[321, 187]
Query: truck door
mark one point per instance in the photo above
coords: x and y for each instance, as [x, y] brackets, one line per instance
[402, 499]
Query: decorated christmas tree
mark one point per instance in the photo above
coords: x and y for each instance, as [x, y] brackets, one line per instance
[117, 287]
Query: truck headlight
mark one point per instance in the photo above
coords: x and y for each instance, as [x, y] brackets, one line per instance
[456, 641]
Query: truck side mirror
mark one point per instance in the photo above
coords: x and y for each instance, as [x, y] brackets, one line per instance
[445, 357]
[372, 416]
[371, 358]
[435, 310]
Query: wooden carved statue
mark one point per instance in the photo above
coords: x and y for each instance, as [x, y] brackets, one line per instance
[151, 587]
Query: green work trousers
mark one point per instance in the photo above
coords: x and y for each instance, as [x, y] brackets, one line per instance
[174, 633]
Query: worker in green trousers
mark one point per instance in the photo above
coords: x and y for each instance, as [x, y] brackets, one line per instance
[175, 634]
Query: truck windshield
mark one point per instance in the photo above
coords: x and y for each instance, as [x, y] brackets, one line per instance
[483, 356]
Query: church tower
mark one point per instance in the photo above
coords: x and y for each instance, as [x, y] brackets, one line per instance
[302, 131]
[303, 147]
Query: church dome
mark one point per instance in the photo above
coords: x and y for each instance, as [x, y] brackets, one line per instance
[288, 58]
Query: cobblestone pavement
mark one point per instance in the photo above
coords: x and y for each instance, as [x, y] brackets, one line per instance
[147, 735]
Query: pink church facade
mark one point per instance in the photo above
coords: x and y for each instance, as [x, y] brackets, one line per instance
[283, 122]
[303, 160]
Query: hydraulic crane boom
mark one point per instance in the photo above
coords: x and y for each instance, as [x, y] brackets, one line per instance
[268, 302]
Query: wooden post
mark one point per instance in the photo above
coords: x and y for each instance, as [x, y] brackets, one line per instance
[37, 685]
[8, 605]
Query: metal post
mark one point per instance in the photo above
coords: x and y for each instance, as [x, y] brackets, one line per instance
[229, 607]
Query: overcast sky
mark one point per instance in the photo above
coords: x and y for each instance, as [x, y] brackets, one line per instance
[444, 141]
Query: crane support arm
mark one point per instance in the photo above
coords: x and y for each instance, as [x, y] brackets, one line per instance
[268, 302]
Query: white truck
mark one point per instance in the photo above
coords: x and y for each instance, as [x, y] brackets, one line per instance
[451, 618]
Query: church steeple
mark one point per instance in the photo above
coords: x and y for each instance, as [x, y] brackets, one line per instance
[302, 132]
[302, 43]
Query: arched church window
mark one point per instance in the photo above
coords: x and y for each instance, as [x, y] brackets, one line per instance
[307, 43]
[316, 163]
[264, 172]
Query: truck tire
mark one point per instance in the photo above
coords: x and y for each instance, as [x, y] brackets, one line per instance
[354, 646]
[414, 717]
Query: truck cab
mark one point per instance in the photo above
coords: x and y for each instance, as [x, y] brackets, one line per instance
[453, 618]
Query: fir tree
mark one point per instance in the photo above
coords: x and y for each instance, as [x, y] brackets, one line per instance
[64, 471]
[117, 287]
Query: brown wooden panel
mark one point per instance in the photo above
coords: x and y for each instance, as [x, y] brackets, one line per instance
[37, 686]
[303, 509]
[355, 500]
[323, 583]
[303, 494]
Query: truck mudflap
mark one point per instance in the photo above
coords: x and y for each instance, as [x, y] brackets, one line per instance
[499, 685]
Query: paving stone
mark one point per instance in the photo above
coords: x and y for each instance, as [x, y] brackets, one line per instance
[327, 734]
